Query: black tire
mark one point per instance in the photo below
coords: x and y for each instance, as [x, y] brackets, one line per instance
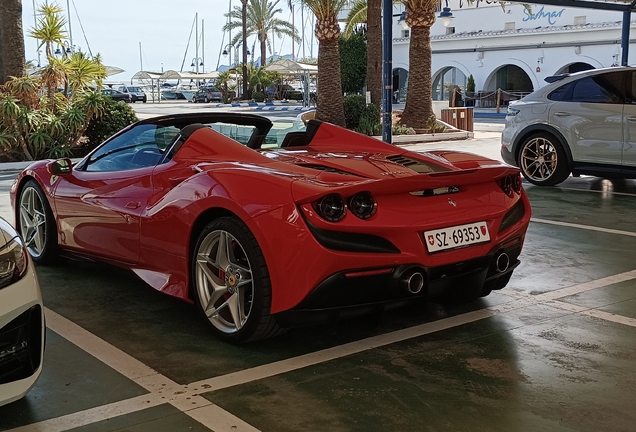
[219, 282]
[206, 100]
[194, 99]
[543, 160]
[33, 211]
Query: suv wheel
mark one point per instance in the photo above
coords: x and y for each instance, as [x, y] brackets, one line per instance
[542, 160]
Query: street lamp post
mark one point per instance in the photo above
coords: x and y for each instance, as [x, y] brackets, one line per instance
[227, 50]
[196, 62]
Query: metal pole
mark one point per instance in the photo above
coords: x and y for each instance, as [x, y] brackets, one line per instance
[70, 32]
[203, 45]
[387, 70]
[196, 44]
[627, 16]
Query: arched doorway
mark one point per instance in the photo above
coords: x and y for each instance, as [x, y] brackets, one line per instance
[511, 78]
[575, 67]
[400, 80]
[445, 79]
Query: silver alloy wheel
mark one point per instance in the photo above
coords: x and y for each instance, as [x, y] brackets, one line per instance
[224, 281]
[33, 221]
[539, 159]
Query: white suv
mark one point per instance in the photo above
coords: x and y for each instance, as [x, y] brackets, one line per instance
[581, 123]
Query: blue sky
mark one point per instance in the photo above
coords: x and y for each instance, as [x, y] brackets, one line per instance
[114, 28]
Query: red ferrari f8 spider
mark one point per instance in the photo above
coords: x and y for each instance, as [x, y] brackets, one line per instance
[262, 235]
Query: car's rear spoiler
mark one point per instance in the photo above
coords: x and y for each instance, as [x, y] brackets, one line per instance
[555, 78]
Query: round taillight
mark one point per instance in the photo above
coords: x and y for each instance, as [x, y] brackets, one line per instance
[362, 205]
[331, 207]
[516, 183]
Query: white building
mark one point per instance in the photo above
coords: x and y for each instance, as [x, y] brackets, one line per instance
[513, 48]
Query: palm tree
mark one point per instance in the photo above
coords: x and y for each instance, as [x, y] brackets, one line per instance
[11, 48]
[370, 11]
[420, 16]
[329, 106]
[261, 21]
[50, 28]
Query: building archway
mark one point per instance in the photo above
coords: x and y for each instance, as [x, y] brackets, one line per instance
[400, 82]
[575, 67]
[445, 79]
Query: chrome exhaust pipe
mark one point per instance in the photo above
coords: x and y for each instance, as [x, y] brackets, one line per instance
[502, 262]
[413, 282]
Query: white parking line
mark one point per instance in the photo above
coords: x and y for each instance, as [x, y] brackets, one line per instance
[188, 400]
[585, 227]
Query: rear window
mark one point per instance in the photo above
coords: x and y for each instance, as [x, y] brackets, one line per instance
[134, 89]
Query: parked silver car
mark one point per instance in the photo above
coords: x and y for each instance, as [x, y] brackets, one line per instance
[21, 311]
[580, 123]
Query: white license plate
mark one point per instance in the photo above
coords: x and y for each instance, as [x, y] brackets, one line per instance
[457, 236]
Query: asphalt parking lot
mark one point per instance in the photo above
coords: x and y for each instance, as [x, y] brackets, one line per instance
[553, 351]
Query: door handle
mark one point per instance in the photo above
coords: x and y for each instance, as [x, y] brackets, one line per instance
[631, 118]
[132, 205]
[561, 114]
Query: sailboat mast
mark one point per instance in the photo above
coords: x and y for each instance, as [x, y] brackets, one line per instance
[70, 31]
[203, 45]
[141, 62]
[196, 43]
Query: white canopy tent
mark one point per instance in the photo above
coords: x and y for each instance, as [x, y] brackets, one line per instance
[171, 74]
[289, 67]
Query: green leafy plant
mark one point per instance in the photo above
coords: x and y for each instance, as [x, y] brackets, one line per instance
[470, 84]
[434, 126]
[258, 96]
[353, 62]
[117, 115]
[402, 130]
[370, 123]
[354, 106]
[46, 115]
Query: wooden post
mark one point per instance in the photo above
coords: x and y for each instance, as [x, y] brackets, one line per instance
[498, 99]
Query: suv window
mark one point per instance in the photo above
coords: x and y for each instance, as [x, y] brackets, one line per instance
[602, 88]
[563, 93]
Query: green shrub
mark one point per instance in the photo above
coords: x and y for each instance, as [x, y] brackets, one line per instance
[370, 123]
[470, 84]
[434, 126]
[258, 96]
[354, 106]
[402, 130]
[117, 115]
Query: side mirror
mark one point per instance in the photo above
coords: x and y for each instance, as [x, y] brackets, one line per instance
[60, 167]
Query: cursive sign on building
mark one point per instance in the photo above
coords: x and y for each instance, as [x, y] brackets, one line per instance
[550, 16]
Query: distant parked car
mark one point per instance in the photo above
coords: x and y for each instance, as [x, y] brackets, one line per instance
[21, 310]
[136, 93]
[580, 123]
[117, 95]
[207, 94]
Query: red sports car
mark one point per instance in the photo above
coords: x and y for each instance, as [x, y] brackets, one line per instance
[261, 236]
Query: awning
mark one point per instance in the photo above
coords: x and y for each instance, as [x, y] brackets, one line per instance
[290, 67]
[112, 70]
[172, 74]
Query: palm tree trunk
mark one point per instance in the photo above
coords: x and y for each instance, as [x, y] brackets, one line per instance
[330, 106]
[418, 106]
[263, 52]
[374, 51]
[11, 41]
